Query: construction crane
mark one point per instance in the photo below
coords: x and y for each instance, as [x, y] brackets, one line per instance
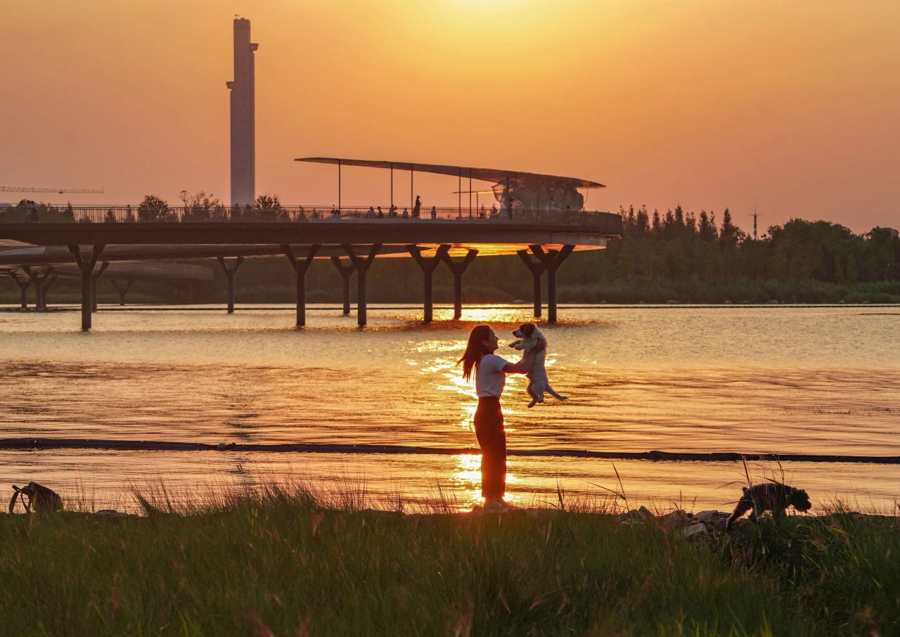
[56, 190]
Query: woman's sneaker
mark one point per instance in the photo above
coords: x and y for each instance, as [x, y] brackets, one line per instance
[499, 506]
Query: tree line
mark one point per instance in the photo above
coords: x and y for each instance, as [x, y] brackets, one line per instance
[681, 246]
[676, 255]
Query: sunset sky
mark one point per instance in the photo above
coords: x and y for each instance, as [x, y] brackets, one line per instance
[792, 106]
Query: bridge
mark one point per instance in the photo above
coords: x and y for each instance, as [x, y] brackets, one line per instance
[454, 236]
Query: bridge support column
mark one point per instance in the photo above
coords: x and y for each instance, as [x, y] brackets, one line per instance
[428, 266]
[50, 280]
[362, 267]
[23, 287]
[230, 272]
[300, 268]
[87, 269]
[346, 272]
[457, 269]
[551, 259]
[122, 291]
[95, 280]
[537, 269]
[42, 283]
[38, 282]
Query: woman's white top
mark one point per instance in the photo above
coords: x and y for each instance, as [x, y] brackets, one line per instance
[489, 376]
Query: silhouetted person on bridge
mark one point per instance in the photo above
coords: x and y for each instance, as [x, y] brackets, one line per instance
[433, 212]
[417, 208]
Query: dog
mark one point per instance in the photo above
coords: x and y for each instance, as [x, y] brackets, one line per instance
[40, 498]
[531, 338]
[769, 496]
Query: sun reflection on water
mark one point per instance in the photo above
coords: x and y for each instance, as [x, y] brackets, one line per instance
[467, 480]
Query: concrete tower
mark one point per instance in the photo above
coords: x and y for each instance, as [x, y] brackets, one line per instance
[243, 117]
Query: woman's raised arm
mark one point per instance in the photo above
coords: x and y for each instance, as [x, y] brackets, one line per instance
[524, 365]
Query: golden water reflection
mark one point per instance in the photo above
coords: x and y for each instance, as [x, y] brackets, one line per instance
[754, 380]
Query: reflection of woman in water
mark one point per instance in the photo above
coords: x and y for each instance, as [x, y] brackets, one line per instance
[490, 378]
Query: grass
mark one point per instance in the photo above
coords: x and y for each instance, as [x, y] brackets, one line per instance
[290, 561]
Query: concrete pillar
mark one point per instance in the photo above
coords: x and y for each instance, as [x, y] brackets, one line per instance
[346, 272]
[35, 279]
[93, 293]
[41, 285]
[300, 268]
[362, 267]
[122, 291]
[48, 281]
[95, 280]
[551, 259]
[23, 287]
[458, 269]
[39, 293]
[229, 273]
[122, 294]
[87, 269]
[537, 269]
[428, 266]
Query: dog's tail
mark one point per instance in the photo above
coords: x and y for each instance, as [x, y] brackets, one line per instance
[556, 395]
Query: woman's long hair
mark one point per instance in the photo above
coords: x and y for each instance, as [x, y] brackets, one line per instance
[475, 349]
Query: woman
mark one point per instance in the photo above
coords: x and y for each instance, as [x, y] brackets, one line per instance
[490, 378]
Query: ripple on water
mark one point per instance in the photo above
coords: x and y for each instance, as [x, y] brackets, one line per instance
[755, 380]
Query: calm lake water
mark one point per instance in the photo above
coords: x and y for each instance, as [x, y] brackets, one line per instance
[734, 378]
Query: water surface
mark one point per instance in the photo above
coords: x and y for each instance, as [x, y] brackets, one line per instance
[738, 379]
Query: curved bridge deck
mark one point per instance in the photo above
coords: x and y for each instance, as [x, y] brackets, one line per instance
[591, 232]
[303, 237]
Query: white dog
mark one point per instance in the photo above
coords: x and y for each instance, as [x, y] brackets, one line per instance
[531, 338]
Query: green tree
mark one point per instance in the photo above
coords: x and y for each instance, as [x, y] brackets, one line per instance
[153, 208]
[201, 207]
[729, 235]
[268, 207]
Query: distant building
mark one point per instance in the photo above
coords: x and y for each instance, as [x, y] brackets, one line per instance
[243, 117]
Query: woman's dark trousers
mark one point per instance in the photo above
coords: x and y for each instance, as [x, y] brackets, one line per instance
[492, 440]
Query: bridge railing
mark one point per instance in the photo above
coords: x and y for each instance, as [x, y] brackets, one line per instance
[45, 213]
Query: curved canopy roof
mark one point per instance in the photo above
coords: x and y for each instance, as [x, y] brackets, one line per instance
[484, 174]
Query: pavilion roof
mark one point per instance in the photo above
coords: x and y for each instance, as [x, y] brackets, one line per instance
[486, 174]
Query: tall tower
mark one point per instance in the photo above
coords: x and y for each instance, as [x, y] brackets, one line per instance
[243, 117]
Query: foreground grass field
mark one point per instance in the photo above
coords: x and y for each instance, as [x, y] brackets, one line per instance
[285, 563]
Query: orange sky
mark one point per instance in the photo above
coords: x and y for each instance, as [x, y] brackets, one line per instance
[789, 105]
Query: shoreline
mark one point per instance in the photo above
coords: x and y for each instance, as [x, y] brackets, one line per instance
[34, 444]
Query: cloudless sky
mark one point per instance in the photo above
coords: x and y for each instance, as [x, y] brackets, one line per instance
[792, 106]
